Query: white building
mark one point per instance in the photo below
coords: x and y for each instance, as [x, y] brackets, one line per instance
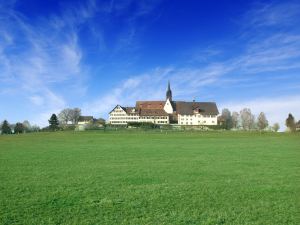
[85, 120]
[166, 112]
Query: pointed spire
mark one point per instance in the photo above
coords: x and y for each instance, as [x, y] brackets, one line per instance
[169, 92]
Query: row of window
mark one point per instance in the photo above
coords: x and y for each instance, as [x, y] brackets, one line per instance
[191, 123]
[199, 115]
[154, 117]
[136, 117]
[123, 118]
[157, 121]
[118, 110]
[118, 122]
[125, 122]
[118, 114]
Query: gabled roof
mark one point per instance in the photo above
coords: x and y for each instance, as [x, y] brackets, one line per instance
[85, 118]
[204, 108]
[116, 107]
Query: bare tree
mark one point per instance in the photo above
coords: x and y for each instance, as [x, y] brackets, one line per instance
[235, 119]
[65, 116]
[69, 115]
[26, 126]
[75, 114]
[276, 127]
[262, 121]
[247, 119]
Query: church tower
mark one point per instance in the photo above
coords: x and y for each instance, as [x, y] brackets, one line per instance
[169, 93]
[168, 105]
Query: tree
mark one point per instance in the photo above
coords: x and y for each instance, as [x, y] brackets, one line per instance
[226, 114]
[35, 128]
[290, 122]
[19, 128]
[247, 119]
[53, 123]
[75, 114]
[65, 115]
[69, 115]
[262, 121]
[235, 119]
[276, 127]
[5, 127]
[27, 126]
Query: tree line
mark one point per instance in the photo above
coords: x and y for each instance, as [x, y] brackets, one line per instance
[68, 118]
[65, 117]
[246, 120]
[18, 128]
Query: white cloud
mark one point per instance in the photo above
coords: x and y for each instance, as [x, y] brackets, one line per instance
[262, 15]
[37, 100]
[49, 53]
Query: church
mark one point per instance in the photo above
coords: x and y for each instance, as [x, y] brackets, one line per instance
[166, 112]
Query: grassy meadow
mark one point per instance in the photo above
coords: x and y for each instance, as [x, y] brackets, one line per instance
[150, 178]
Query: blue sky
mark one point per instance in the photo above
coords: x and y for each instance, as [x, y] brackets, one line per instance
[96, 54]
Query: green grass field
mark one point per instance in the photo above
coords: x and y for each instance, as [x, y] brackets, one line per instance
[150, 178]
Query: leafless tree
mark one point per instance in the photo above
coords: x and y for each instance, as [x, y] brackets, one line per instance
[235, 119]
[276, 127]
[262, 121]
[76, 113]
[247, 119]
[26, 125]
[69, 115]
[65, 116]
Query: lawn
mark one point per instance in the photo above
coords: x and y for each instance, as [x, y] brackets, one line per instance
[150, 178]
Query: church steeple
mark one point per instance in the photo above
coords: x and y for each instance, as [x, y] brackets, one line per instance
[169, 92]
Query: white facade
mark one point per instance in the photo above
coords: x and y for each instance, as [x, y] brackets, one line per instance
[162, 112]
[119, 116]
[168, 107]
[84, 122]
[154, 119]
[197, 119]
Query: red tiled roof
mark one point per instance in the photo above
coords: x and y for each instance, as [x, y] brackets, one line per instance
[153, 112]
[150, 104]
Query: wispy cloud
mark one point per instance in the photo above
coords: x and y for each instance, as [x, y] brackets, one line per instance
[48, 62]
[273, 14]
[276, 52]
[36, 58]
